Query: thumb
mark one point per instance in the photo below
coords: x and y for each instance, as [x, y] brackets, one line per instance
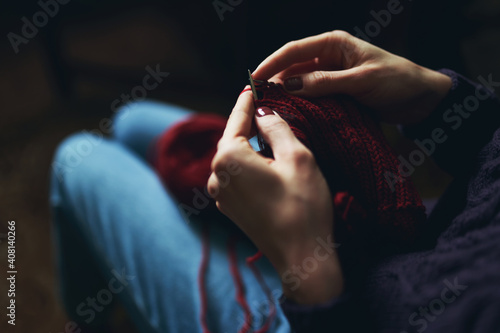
[323, 83]
[276, 133]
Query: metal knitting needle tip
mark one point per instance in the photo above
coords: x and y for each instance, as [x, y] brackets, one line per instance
[252, 84]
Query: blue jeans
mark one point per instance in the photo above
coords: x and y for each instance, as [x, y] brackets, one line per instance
[118, 233]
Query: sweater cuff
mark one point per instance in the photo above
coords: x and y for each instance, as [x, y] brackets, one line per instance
[339, 315]
[460, 126]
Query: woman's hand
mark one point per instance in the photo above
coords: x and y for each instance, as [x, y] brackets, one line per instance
[283, 204]
[337, 62]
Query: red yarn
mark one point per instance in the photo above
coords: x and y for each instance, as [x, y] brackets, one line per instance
[238, 282]
[348, 209]
[184, 154]
[272, 306]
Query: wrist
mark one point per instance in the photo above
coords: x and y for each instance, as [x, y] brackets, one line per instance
[438, 85]
[314, 277]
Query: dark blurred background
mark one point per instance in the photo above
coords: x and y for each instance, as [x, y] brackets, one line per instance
[65, 77]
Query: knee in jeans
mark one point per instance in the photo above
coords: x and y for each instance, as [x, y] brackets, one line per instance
[72, 151]
[128, 115]
[138, 115]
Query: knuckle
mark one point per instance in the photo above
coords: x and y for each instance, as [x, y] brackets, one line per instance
[370, 72]
[338, 37]
[341, 34]
[227, 154]
[215, 162]
[302, 156]
[220, 143]
[365, 76]
[347, 44]
[220, 160]
[320, 78]
[213, 187]
[274, 124]
[291, 45]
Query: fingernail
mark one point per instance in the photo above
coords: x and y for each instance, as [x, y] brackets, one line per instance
[293, 83]
[264, 111]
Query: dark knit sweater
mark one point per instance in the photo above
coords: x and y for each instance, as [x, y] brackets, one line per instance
[452, 283]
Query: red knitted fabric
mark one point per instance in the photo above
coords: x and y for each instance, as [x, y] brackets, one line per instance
[354, 156]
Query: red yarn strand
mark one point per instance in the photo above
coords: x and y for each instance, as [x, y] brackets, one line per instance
[238, 282]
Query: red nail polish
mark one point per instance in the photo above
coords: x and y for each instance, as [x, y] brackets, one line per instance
[264, 111]
[246, 89]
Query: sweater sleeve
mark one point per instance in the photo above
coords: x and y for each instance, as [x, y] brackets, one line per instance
[461, 125]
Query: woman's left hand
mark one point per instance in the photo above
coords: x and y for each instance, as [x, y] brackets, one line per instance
[283, 204]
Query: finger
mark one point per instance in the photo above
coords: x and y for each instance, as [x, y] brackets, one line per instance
[241, 118]
[297, 69]
[276, 133]
[325, 45]
[324, 83]
[235, 168]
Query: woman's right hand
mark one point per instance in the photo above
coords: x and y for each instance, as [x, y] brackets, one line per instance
[400, 91]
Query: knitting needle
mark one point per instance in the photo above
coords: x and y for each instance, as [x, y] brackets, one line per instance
[252, 84]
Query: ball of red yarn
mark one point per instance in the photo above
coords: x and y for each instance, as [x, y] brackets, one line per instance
[184, 153]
